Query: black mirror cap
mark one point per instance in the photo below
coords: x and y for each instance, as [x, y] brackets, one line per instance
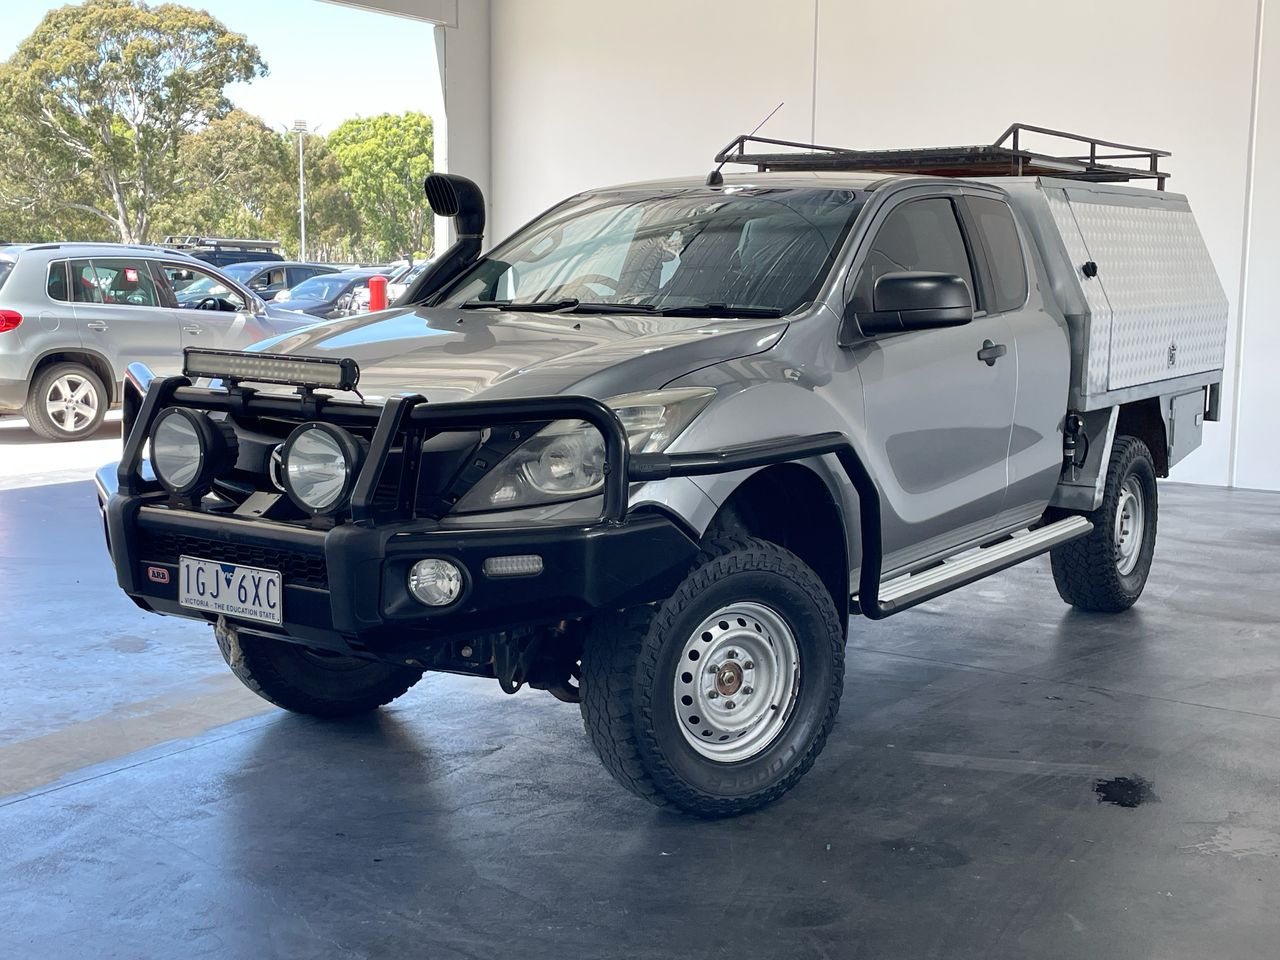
[452, 196]
[914, 300]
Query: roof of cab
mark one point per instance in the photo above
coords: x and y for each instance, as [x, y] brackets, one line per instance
[799, 180]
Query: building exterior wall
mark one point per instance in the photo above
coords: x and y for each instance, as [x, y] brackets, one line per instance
[580, 93]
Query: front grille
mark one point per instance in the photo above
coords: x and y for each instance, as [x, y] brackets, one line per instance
[298, 567]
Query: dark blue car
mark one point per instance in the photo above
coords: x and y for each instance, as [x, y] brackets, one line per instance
[330, 295]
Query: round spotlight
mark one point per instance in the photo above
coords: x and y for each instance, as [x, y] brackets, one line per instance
[320, 463]
[437, 583]
[188, 450]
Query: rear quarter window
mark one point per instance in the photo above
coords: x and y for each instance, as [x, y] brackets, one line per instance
[6, 268]
[56, 285]
[1004, 251]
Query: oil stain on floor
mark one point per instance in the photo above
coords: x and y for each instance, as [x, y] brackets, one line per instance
[1125, 791]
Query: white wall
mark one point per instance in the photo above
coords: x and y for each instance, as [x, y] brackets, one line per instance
[462, 141]
[585, 93]
[1257, 450]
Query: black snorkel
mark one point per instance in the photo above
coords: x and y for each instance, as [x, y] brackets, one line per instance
[462, 201]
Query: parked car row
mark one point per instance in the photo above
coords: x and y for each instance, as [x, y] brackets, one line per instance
[399, 282]
[271, 278]
[330, 295]
[74, 315]
[331, 300]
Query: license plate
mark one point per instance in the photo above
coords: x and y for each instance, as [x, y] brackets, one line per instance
[250, 593]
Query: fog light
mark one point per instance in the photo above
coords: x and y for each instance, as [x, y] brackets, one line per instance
[521, 565]
[437, 583]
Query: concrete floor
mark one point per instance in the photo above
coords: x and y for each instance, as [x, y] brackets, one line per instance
[153, 808]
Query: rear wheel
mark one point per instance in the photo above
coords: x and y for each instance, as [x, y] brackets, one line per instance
[1107, 570]
[312, 681]
[719, 699]
[68, 401]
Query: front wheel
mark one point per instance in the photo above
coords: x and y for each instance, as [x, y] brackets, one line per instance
[719, 699]
[1107, 570]
[311, 681]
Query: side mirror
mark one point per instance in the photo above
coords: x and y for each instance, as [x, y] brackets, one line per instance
[912, 300]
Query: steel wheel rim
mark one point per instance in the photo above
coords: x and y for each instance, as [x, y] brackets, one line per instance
[736, 682]
[71, 402]
[1131, 522]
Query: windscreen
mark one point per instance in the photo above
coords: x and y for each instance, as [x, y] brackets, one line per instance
[737, 247]
[244, 272]
[319, 288]
[204, 285]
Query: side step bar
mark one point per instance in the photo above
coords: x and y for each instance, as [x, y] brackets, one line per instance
[898, 595]
[869, 601]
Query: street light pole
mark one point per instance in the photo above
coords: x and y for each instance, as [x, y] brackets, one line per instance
[300, 128]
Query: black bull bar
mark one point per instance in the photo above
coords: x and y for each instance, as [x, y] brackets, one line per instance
[146, 397]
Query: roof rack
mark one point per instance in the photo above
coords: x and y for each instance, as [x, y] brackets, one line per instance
[1006, 157]
[215, 242]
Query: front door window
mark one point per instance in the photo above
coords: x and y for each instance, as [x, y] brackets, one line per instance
[196, 289]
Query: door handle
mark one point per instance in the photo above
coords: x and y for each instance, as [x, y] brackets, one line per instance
[991, 352]
[96, 325]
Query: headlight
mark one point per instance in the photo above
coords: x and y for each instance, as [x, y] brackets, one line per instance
[565, 460]
[188, 450]
[569, 461]
[320, 463]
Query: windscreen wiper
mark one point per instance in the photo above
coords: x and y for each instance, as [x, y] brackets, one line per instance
[594, 307]
[719, 310]
[533, 306]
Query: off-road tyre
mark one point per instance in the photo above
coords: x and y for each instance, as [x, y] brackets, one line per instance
[58, 376]
[310, 681]
[1087, 571]
[630, 663]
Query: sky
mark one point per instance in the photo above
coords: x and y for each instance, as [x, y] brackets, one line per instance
[326, 62]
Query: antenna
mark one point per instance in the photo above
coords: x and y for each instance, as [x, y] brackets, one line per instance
[715, 177]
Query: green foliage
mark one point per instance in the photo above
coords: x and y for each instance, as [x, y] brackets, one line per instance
[238, 175]
[98, 100]
[114, 125]
[384, 161]
[333, 224]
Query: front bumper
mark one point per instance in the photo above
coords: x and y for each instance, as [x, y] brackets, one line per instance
[346, 588]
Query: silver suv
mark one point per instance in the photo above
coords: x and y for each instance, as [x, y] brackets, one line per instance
[73, 315]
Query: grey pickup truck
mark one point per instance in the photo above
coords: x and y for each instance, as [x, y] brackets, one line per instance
[659, 451]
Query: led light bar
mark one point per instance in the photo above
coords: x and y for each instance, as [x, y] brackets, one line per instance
[237, 365]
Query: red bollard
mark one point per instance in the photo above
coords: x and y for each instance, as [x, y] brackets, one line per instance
[377, 293]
